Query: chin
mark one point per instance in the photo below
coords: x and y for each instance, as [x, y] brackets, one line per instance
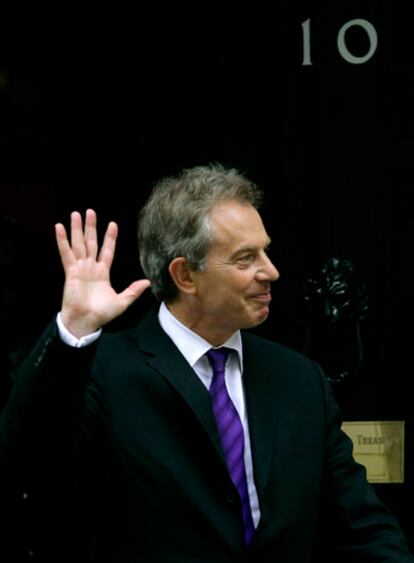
[262, 317]
[256, 321]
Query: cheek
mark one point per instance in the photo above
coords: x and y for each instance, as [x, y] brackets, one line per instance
[227, 287]
[243, 282]
[239, 293]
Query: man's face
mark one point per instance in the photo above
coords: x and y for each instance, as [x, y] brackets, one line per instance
[233, 289]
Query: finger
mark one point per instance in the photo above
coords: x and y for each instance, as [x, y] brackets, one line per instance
[65, 251]
[133, 291]
[91, 239]
[76, 235]
[107, 252]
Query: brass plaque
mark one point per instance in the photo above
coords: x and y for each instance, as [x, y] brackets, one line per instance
[379, 446]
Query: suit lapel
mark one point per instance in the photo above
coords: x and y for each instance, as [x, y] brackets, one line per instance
[167, 360]
[263, 394]
[264, 405]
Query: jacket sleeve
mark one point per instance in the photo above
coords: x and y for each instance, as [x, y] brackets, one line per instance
[40, 426]
[355, 524]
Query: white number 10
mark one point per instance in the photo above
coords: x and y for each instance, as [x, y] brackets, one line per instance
[341, 44]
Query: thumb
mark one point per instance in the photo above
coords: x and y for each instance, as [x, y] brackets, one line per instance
[133, 291]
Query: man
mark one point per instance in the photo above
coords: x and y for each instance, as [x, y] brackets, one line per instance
[191, 440]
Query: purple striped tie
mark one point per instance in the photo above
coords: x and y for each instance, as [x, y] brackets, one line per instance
[231, 434]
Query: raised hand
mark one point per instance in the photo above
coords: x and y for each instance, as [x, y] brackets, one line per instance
[89, 300]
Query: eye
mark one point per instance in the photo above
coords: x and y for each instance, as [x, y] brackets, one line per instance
[245, 259]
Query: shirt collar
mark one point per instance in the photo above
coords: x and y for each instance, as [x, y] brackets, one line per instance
[192, 345]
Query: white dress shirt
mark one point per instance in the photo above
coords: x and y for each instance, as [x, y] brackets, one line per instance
[193, 347]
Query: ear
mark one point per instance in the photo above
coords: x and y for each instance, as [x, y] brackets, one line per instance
[182, 275]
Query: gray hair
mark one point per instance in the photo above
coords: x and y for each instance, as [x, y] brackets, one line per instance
[175, 220]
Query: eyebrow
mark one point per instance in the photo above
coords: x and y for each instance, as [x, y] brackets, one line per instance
[248, 249]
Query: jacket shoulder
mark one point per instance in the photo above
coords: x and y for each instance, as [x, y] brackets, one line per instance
[275, 350]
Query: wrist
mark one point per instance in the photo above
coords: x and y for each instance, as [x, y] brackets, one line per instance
[71, 340]
[78, 327]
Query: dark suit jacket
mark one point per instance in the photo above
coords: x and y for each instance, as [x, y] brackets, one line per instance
[131, 424]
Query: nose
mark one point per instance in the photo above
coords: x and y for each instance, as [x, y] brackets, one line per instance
[267, 270]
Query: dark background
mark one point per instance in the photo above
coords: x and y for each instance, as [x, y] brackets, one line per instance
[95, 106]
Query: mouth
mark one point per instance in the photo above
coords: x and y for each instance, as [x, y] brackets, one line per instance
[264, 298]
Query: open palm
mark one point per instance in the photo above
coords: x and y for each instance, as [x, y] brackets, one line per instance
[89, 300]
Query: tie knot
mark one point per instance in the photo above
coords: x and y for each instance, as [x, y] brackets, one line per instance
[218, 358]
